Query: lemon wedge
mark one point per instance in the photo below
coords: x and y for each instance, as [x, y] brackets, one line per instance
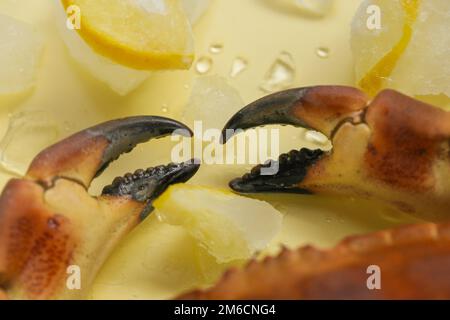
[140, 34]
[407, 51]
[230, 227]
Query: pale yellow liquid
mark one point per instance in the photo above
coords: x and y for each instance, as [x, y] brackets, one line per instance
[156, 260]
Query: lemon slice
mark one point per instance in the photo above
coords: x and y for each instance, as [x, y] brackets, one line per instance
[230, 227]
[391, 37]
[407, 51]
[140, 34]
[20, 52]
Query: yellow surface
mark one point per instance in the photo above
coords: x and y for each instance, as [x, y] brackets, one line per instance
[156, 261]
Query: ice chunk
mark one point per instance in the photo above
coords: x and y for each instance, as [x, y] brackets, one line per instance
[424, 68]
[195, 9]
[230, 227]
[407, 51]
[20, 52]
[29, 132]
[239, 65]
[213, 101]
[281, 74]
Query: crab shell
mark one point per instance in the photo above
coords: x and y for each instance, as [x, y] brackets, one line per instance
[411, 262]
[49, 222]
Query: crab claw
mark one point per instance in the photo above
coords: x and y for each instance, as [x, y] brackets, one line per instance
[393, 149]
[86, 154]
[50, 225]
[320, 108]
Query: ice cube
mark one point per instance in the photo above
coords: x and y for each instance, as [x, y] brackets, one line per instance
[195, 9]
[281, 74]
[213, 101]
[20, 52]
[408, 52]
[29, 132]
[424, 68]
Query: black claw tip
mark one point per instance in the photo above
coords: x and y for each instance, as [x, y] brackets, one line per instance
[290, 170]
[147, 185]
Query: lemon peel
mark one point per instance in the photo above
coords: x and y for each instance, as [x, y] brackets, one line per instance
[131, 35]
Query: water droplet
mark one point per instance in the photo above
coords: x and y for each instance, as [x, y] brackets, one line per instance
[239, 65]
[329, 220]
[29, 132]
[281, 74]
[165, 108]
[323, 52]
[186, 86]
[316, 137]
[216, 48]
[203, 65]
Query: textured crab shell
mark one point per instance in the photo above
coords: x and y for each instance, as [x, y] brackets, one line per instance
[43, 232]
[398, 152]
[413, 262]
[36, 243]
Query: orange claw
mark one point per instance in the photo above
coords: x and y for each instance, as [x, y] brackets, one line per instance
[413, 263]
[49, 222]
[393, 149]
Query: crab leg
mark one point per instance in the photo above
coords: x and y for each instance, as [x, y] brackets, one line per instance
[411, 262]
[393, 149]
[49, 222]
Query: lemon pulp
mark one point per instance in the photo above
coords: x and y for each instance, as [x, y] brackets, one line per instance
[135, 34]
[373, 81]
[229, 226]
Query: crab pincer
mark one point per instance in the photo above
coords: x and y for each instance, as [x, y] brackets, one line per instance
[392, 149]
[50, 223]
